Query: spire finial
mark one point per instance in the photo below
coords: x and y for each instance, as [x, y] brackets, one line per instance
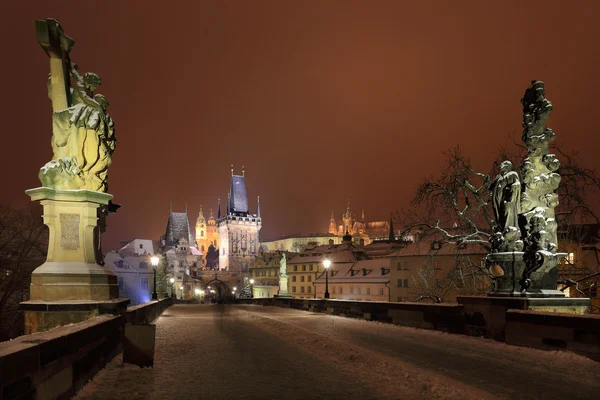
[392, 236]
[258, 211]
[200, 209]
[332, 218]
[231, 169]
[243, 171]
[218, 208]
[211, 214]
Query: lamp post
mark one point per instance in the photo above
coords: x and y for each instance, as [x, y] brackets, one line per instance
[154, 261]
[327, 264]
[251, 289]
[181, 288]
[172, 281]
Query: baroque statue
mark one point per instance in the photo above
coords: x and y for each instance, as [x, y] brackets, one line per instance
[83, 133]
[524, 208]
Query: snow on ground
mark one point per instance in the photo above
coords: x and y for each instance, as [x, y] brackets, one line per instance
[254, 352]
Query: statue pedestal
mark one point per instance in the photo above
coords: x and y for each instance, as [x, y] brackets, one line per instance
[71, 276]
[283, 287]
[508, 267]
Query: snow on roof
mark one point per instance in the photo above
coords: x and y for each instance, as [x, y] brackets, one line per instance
[361, 271]
[195, 251]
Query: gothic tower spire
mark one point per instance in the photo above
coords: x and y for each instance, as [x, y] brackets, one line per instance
[392, 236]
[258, 211]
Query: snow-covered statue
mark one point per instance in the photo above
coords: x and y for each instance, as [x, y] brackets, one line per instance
[506, 192]
[506, 197]
[83, 135]
[524, 208]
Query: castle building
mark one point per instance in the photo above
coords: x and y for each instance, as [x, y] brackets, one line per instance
[238, 229]
[358, 229]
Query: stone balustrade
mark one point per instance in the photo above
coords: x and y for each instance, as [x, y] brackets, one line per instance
[56, 363]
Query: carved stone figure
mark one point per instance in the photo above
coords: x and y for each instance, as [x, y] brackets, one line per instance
[83, 135]
[526, 210]
[506, 197]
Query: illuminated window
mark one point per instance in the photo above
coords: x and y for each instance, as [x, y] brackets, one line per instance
[571, 258]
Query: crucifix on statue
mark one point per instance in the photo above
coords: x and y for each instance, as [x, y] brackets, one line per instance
[57, 46]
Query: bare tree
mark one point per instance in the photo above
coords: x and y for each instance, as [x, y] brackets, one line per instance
[455, 206]
[23, 246]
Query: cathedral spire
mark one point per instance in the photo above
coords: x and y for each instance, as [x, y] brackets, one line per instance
[258, 211]
[211, 214]
[363, 215]
[200, 215]
[219, 208]
[392, 236]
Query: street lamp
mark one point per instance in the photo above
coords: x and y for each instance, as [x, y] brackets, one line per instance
[181, 287]
[172, 281]
[327, 264]
[154, 261]
[251, 289]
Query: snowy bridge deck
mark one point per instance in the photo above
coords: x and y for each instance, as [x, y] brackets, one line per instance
[254, 352]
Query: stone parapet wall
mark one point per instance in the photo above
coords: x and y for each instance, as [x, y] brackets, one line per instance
[506, 320]
[57, 363]
[554, 331]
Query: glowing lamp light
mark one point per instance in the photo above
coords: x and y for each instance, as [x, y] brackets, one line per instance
[327, 263]
[154, 261]
[172, 280]
[252, 281]
[233, 292]
[197, 291]
[181, 287]
[234, 288]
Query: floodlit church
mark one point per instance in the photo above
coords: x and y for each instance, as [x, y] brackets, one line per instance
[358, 229]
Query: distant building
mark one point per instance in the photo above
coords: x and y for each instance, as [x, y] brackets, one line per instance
[265, 272]
[206, 234]
[363, 280]
[138, 247]
[183, 258]
[238, 229]
[358, 229]
[134, 273]
[580, 269]
[299, 242]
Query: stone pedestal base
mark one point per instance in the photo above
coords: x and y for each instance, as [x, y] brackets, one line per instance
[71, 285]
[43, 315]
[486, 316]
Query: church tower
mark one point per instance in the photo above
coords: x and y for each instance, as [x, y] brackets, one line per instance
[332, 225]
[212, 233]
[238, 229]
[201, 233]
[348, 220]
